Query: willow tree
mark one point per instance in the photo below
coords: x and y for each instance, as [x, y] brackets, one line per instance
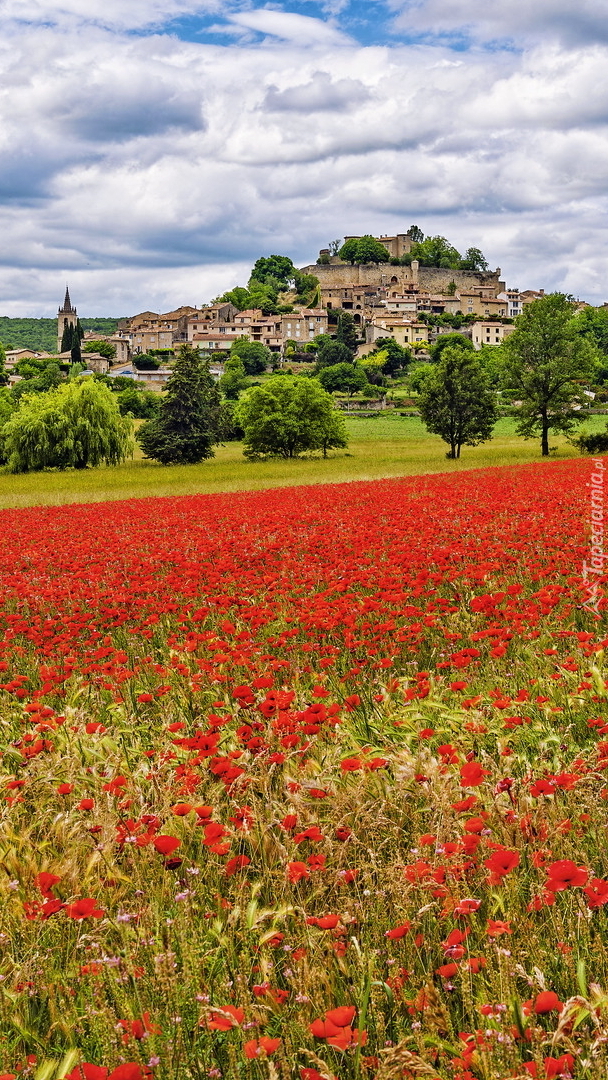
[73, 426]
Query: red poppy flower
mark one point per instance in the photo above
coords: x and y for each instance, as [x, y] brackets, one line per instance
[546, 1002]
[165, 845]
[84, 909]
[500, 863]
[264, 1045]
[296, 871]
[239, 862]
[223, 1020]
[565, 874]
[472, 774]
[398, 931]
[447, 971]
[45, 882]
[130, 1071]
[86, 1071]
[342, 1016]
[596, 892]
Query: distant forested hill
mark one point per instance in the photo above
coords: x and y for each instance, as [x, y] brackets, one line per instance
[41, 334]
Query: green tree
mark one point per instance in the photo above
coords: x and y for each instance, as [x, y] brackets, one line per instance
[104, 348]
[348, 251]
[67, 338]
[142, 404]
[273, 268]
[234, 378]
[71, 341]
[436, 251]
[398, 357]
[448, 341]
[254, 356]
[347, 331]
[346, 378]
[332, 352]
[457, 402]
[3, 371]
[418, 374]
[592, 323]
[474, 259]
[146, 362]
[373, 366]
[73, 426]
[187, 424]
[257, 295]
[364, 249]
[239, 296]
[545, 360]
[415, 234]
[370, 250]
[288, 416]
[307, 288]
[37, 377]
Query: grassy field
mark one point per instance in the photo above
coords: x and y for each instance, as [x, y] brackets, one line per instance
[384, 446]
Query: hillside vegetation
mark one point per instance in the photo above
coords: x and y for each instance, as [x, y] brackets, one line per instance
[41, 334]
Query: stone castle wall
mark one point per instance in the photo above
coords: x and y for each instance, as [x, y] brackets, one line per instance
[428, 278]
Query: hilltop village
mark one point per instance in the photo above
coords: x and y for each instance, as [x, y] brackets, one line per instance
[394, 294]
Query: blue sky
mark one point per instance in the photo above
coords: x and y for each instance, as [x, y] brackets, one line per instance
[366, 23]
[153, 149]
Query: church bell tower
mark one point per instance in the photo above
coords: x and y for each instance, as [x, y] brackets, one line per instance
[66, 316]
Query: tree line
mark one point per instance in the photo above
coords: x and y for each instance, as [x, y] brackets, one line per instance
[40, 335]
[544, 366]
[427, 250]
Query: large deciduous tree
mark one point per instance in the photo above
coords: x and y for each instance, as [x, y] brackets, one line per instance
[348, 378]
[445, 341]
[73, 426]
[104, 348]
[546, 360]
[186, 427]
[273, 268]
[254, 356]
[288, 416]
[457, 402]
[363, 249]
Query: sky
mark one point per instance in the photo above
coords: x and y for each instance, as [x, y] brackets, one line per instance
[152, 150]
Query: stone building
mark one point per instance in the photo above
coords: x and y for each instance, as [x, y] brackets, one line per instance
[66, 316]
[339, 275]
[488, 332]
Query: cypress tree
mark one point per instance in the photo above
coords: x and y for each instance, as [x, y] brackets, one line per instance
[66, 338]
[187, 424]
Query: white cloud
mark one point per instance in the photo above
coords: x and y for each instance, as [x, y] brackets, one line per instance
[300, 29]
[519, 20]
[115, 14]
[148, 167]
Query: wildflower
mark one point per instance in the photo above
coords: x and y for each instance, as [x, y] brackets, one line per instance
[546, 1002]
[596, 892]
[165, 845]
[500, 863]
[84, 909]
[565, 874]
[398, 931]
[239, 862]
[264, 1045]
[224, 1019]
[472, 774]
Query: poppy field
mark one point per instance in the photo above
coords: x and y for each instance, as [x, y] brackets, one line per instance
[306, 783]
